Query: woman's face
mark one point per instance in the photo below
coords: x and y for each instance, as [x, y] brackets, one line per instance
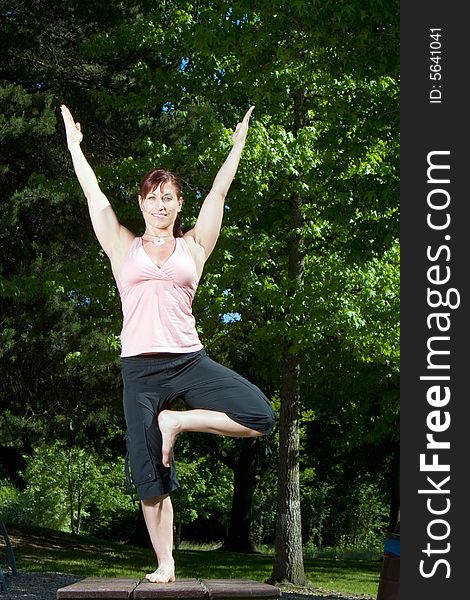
[161, 206]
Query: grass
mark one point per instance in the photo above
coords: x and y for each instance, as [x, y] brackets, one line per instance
[51, 551]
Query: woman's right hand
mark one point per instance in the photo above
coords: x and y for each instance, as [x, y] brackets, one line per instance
[72, 129]
[112, 236]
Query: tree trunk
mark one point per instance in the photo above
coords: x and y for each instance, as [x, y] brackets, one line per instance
[288, 559]
[288, 563]
[244, 483]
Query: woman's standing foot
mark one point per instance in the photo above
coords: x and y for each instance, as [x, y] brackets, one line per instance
[164, 574]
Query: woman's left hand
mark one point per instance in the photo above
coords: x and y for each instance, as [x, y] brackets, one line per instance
[239, 135]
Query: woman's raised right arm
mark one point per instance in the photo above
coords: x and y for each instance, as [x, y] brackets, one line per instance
[112, 236]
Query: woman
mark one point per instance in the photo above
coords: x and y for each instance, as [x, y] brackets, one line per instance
[162, 357]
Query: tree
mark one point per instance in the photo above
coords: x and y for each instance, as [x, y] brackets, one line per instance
[50, 305]
[205, 486]
[64, 484]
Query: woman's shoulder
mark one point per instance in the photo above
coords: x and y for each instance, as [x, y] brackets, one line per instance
[195, 249]
[120, 257]
[190, 241]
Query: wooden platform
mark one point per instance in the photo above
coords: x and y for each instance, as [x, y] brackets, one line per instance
[99, 587]
[239, 588]
[123, 588]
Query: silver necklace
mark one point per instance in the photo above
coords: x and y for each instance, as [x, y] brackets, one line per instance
[158, 240]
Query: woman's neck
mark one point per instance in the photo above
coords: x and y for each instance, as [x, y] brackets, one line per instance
[157, 239]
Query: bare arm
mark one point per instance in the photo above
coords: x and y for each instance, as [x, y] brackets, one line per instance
[112, 236]
[207, 228]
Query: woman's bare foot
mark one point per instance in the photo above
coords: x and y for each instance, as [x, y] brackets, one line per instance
[169, 428]
[164, 574]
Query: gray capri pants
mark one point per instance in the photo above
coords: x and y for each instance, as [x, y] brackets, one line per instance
[153, 382]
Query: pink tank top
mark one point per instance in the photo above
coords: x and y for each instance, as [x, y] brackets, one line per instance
[156, 302]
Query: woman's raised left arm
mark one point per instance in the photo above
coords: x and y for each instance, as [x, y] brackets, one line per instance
[207, 228]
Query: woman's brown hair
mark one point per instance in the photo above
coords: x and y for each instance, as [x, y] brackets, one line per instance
[153, 180]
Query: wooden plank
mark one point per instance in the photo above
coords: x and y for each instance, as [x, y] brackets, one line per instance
[181, 588]
[116, 588]
[239, 588]
[98, 587]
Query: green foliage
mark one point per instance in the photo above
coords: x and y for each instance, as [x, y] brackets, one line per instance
[26, 121]
[9, 502]
[65, 485]
[204, 489]
[367, 516]
[110, 513]
[264, 517]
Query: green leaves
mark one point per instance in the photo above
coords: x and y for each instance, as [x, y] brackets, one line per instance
[63, 484]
